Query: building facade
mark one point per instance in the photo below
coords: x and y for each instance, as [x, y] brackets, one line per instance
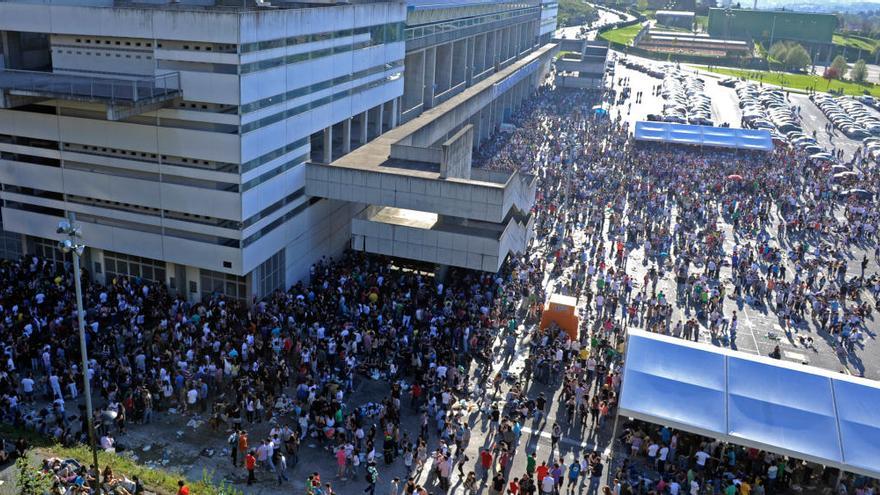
[770, 26]
[179, 133]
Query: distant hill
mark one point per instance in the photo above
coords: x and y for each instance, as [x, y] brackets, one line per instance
[816, 5]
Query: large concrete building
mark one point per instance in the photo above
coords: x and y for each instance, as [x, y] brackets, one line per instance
[769, 26]
[203, 143]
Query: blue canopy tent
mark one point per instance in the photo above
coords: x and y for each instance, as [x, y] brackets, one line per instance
[782, 407]
[701, 135]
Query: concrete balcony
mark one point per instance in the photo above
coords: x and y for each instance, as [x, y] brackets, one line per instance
[486, 197]
[431, 238]
[122, 97]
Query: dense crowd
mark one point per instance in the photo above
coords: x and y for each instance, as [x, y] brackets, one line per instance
[768, 229]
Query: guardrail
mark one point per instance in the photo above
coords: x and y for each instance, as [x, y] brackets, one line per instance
[72, 86]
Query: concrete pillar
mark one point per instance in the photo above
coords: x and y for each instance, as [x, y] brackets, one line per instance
[346, 136]
[378, 122]
[328, 144]
[430, 72]
[365, 120]
[394, 112]
[471, 48]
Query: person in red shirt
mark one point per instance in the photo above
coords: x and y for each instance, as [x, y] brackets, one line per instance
[250, 463]
[486, 461]
[513, 488]
[543, 470]
[182, 489]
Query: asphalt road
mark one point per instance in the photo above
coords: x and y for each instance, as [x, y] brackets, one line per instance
[605, 17]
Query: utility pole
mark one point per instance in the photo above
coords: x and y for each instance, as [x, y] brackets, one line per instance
[74, 246]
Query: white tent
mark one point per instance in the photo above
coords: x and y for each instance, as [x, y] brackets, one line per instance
[701, 135]
[778, 406]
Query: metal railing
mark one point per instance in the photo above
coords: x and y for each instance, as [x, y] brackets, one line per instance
[77, 87]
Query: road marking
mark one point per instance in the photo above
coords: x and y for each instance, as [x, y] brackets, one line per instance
[796, 356]
[751, 327]
[566, 440]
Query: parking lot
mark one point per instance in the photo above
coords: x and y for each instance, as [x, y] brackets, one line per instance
[724, 103]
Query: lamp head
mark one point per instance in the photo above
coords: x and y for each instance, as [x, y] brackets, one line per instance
[63, 227]
[65, 246]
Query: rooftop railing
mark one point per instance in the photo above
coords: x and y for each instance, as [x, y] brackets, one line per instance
[90, 88]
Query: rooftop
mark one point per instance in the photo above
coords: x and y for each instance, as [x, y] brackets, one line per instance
[189, 5]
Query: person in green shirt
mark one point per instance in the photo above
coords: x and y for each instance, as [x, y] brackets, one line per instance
[730, 489]
[531, 463]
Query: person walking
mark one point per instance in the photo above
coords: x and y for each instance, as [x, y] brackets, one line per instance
[233, 447]
[372, 478]
[250, 463]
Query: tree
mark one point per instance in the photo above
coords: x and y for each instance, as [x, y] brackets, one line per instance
[778, 52]
[797, 58]
[830, 73]
[840, 67]
[859, 72]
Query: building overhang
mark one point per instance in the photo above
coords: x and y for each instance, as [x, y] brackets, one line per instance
[122, 98]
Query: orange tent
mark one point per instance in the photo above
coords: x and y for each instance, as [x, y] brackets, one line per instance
[561, 310]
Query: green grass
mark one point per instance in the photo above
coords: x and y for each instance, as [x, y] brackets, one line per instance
[799, 81]
[161, 481]
[856, 42]
[702, 22]
[622, 35]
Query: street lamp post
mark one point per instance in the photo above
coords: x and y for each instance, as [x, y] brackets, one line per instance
[74, 245]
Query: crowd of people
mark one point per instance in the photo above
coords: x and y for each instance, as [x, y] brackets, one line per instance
[615, 222]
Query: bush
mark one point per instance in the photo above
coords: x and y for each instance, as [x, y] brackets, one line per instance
[29, 480]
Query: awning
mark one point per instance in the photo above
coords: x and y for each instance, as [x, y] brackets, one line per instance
[778, 406]
[702, 135]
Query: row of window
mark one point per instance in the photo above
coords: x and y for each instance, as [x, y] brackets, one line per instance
[118, 264]
[151, 157]
[104, 53]
[442, 27]
[302, 57]
[319, 86]
[379, 33]
[247, 241]
[171, 45]
[300, 160]
[291, 112]
[281, 203]
[232, 286]
[270, 273]
[268, 157]
[104, 41]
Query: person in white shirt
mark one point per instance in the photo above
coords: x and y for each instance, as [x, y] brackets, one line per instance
[701, 459]
[661, 458]
[547, 484]
[27, 387]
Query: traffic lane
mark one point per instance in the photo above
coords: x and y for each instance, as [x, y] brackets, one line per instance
[575, 32]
